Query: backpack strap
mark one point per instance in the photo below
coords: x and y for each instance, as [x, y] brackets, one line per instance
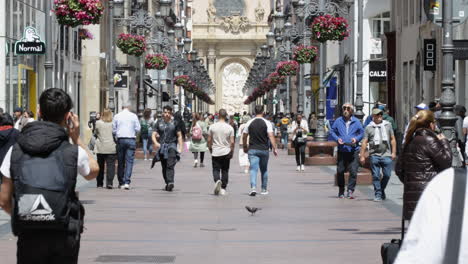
[452, 246]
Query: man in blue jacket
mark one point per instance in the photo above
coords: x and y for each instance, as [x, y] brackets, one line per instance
[347, 131]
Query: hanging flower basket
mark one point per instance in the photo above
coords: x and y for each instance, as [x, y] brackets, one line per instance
[328, 27]
[276, 79]
[182, 80]
[156, 61]
[303, 54]
[191, 86]
[73, 13]
[84, 34]
[129, 44]
[287, 68]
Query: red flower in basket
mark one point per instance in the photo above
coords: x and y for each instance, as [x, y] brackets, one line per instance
[156, 61]
[182, 80]
[73, 13]
[303, 54]
[287, 68]
[328, 27]
[129, 44]
[276, 79]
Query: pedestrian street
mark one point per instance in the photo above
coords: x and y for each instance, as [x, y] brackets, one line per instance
[300, 221]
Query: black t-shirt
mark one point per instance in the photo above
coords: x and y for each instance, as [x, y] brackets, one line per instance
[258, 129]
[167, 131]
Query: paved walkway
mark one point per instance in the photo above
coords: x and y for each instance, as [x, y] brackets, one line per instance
[301, 220]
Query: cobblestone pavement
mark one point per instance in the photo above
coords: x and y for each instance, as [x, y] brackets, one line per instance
[301, 220]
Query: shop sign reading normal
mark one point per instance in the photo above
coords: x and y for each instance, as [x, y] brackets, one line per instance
[30, 43]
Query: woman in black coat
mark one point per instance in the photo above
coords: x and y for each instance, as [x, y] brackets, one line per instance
[424, 155]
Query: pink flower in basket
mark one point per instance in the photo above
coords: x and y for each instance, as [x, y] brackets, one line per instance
[156, 61]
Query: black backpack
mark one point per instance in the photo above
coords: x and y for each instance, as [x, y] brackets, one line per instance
[44, 191]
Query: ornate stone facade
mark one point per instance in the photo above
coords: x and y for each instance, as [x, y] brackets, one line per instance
[228, 34]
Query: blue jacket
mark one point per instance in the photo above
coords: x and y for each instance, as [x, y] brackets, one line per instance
[355, 131]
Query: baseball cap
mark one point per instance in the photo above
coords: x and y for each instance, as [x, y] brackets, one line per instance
[377, 111]
[422, 106]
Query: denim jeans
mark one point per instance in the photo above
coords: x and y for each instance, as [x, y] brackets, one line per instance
[258, 159]
[147, 147]
[377, 163]
[126, 155]
[284, 139]
[347, 161]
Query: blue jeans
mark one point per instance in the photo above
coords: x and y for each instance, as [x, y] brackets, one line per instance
[284, 138]
[126, 155]
[258, 159]
[147, 146]
[377, 163]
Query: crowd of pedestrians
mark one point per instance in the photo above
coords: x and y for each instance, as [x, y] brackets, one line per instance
[33, 152]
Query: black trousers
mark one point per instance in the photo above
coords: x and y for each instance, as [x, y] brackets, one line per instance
[221, 166]
[47, 248]
[347, 161]
[202, 156]
[107, 161]
[168, 166]
[300, 153]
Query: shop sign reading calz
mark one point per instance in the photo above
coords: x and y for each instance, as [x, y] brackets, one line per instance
[377, 71]
[30, 43]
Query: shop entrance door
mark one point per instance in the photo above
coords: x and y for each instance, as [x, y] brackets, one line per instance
[27, 88]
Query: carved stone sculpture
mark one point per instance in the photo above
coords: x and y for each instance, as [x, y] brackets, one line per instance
[235, 24]
[211, 12]
[234, 77]
[259, 13]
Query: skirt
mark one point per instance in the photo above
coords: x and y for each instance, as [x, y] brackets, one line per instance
[243, 158]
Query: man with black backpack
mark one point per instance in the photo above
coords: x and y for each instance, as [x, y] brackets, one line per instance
[39, 180]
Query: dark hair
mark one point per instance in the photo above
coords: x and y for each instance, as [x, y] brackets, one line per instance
[147, 113]
[180, 123]
[168, 108]
[30, 113]
[6, 119]
[259, 109]
[54, 104]
[432, 106]
[223, 114]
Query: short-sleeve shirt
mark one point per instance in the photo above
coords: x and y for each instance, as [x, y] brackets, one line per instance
[82, 165]
[221, 134]
[384, 149]
[258, 129]
[167, 131]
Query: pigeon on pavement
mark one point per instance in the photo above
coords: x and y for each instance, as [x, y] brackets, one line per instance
[252, 210]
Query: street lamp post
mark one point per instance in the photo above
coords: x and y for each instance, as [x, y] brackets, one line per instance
[359, 73]
[448, 118]
[111, 57]
[48, 64]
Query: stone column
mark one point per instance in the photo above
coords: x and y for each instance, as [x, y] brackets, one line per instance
[212, 73]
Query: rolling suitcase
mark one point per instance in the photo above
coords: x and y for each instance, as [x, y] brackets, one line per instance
[389, 251]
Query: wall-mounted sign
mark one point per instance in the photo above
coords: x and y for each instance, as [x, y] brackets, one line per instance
[30, 43]
[433, 10]
[376, 46]
[377, 71]
[120, 80]
[430, 54]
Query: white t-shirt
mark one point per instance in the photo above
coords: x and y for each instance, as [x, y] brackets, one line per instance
[221, 134]
[83, 163]
[427, 234]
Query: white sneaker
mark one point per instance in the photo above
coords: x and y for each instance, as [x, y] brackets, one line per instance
[302, 168]
[298, 168]
[222, 192]
[217, 187]
[264, 192]
[122, 187]
[195, 163]
[253, 192]
[246, 171]
[127, 186]
[146, 159]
